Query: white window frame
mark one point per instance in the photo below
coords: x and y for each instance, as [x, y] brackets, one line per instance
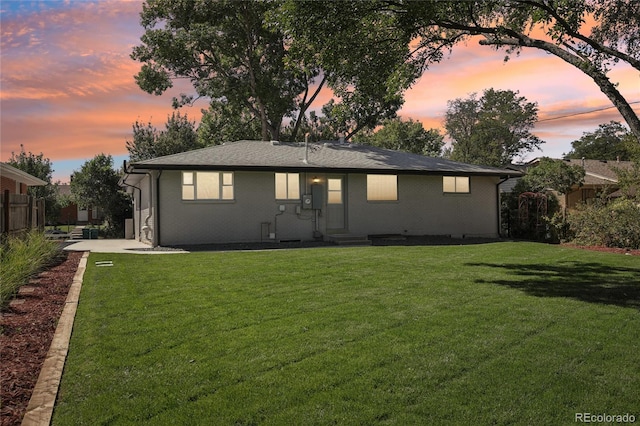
[456, 184]
[225, 186]
[291, 183]
[373, 189]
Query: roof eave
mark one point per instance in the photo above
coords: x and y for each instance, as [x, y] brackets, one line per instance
[20, 175]
[310, 168]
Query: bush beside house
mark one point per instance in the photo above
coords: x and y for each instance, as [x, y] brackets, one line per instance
[601, 208]
[609, 224]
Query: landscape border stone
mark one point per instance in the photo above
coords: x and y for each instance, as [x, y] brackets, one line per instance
[40, 408]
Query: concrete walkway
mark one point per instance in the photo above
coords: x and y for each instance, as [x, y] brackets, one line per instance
[115, 246]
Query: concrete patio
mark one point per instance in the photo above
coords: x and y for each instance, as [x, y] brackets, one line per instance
[115, 246]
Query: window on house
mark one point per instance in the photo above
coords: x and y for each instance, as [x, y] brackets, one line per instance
[207, 185]
[287, 186]
[455, 184]
[382, 188]
[334, 191]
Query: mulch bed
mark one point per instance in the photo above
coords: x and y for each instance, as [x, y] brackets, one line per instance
[27, 329]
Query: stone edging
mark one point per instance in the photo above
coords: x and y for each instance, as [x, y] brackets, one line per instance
[40, 408]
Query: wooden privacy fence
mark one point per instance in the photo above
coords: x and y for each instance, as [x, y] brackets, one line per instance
[20, 213]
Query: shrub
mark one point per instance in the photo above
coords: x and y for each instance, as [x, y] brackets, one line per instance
[23, 257]
[615, 224]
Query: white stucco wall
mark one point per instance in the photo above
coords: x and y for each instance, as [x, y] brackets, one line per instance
[422, 209]
[250, 217]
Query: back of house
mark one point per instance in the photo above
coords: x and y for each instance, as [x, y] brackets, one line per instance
[256, 191]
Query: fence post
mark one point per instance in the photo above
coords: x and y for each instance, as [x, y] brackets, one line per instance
[41, 214]
[7, 211]
[29, 213]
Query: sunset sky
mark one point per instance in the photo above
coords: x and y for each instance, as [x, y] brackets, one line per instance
[67, 87]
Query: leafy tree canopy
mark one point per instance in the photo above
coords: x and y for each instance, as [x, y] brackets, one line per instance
[224, 122]
[179, 136]
[552, 174]
[41, 167]
[245, 56]
[409, 136]
[563, 28]
[96, 185]
[629, 180]
[493, 129]
[611, 141]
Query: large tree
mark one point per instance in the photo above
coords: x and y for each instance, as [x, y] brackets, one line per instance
[409, 136]
[493, 129]
[611, 141]
[96, 185]
[361, 53]
[225, 122]
[239, 56]
[148, 142]
[563, 28]
[41, 167]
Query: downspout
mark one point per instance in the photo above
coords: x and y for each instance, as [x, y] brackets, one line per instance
[144, 226]
[153, 210]
[156, 229]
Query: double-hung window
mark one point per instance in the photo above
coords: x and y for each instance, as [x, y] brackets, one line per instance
[455, 185]
[382, 188]
[287, 186]
[207, 185]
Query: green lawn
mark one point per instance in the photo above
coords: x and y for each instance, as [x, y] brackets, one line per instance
[503, 333]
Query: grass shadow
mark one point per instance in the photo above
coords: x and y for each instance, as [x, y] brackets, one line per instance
[585, 281]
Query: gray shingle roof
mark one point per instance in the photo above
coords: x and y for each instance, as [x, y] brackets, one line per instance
[259, 155]
[600, 172]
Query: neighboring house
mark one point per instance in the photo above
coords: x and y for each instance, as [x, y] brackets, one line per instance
[16, 181]
[249, 191]
[18, 210]
[600, 177]
[74, 214]
[508, 185]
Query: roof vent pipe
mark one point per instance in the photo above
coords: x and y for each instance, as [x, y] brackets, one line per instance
[306, 149]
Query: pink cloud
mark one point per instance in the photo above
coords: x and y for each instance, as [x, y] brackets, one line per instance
[67, 81]
[558, 88]
[68, 88]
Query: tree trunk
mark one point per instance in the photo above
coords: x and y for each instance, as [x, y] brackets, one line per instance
[264, 122]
